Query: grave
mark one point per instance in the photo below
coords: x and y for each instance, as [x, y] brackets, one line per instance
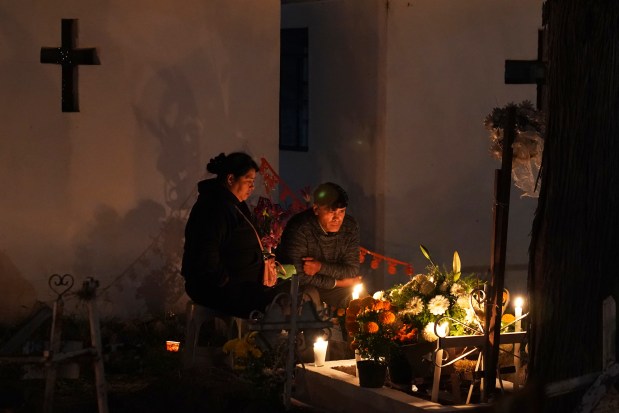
[333, 389]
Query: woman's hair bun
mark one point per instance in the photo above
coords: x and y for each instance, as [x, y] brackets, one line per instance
[217, 164]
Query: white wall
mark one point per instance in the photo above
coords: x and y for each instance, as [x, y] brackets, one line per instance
[346, 105]
[445, 74]
[422, 172]
[85, 193]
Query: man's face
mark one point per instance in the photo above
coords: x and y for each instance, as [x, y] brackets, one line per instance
[330, 219]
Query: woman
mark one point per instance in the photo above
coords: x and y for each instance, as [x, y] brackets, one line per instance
[222, 261]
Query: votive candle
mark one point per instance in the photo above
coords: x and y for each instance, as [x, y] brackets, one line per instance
[172, 346]
[320, 352]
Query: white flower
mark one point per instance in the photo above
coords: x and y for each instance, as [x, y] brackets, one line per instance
[427, 287]
[470, 315]
[438, 305]
[457, 290]
[463, 302]
[379, 295]
[428, 333]
[414, 306]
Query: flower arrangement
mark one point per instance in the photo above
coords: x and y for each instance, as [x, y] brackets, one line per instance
[528, 143]
[373, 326]
[428, 298]
[243, 350]
[270, 221]
[264, 369]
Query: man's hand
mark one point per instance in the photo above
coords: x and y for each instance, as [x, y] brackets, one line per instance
[348, 282]
[311, 266]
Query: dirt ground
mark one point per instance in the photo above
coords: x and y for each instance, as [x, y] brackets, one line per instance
[209, 390]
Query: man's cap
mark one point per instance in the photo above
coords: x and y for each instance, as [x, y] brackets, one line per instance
[330, 195]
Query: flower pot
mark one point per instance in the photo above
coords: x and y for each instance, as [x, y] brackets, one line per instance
[371, 373]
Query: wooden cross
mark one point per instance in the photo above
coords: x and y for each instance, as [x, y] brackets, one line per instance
[69, 57]
[521, 72]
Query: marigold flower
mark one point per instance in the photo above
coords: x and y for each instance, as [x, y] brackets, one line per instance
[340, 312]
[350, 312]
[386, 317]
[354, 305]
[366, 302]
[352, 328]
[370, 327]
[508, 318]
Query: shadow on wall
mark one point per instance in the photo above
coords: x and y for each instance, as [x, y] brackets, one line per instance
[135, 257]
[168, 112]
[16, 306]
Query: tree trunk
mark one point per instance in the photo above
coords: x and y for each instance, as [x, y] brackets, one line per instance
[575, 241]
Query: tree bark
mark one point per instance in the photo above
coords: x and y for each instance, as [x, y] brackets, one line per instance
[574, 240]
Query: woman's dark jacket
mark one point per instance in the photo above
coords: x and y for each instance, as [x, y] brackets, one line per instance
[222, 260]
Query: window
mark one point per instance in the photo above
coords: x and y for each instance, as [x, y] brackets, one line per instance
[293, 91]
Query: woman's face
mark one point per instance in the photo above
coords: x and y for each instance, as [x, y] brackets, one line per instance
[243, 186]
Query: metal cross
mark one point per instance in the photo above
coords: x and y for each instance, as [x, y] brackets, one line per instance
[69, 57]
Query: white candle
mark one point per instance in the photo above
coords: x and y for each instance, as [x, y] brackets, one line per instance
[356, 291]
[518, 303]
[320, 351]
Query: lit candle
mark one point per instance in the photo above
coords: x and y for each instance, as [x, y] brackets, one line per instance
[518, 303]
[172, 346]
[356, 291]
[320, 351]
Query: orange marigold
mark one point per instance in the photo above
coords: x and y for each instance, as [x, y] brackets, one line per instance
[354, 306]
[352, 328]
[352, 311]
[370, 327]
[366, 302]
[508, 318]
[350, 319]
[378, 305]
[386, 317]
[340, 312]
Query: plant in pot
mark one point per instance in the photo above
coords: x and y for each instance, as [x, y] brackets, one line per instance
[372, 325]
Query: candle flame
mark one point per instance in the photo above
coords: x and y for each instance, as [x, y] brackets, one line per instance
[518, 302]
[356, 291]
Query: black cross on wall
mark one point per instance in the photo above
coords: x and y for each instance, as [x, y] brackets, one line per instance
[530, 71]
[69, 57]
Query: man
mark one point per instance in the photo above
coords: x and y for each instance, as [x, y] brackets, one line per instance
[323, 244]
